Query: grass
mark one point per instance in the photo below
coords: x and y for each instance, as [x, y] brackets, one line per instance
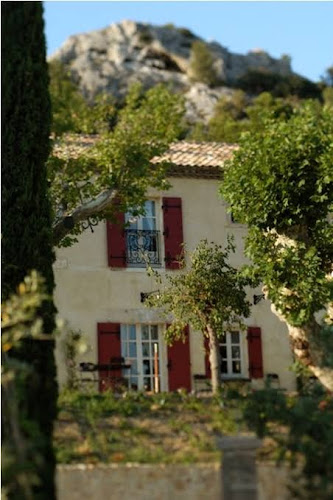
[136, 427]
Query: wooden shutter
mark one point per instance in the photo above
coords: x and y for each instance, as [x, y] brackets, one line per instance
[108, 343]
[255, 352]
[179, 365]
[116, 241]
[173, 231]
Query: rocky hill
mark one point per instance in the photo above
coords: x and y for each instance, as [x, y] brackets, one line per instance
[112, 58]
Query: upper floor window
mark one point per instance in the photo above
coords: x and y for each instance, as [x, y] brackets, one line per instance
[156, 237]
[143, 237]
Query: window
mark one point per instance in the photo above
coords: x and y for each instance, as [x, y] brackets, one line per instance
[231, 354]
[143, 238]
[137, 346]
[134, 241]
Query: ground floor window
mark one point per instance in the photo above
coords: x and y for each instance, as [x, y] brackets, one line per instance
[138, 344]
[231, 354]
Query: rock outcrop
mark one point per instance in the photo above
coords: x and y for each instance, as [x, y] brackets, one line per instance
[109, 60]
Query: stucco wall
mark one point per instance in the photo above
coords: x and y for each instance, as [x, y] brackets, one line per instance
[88, 291]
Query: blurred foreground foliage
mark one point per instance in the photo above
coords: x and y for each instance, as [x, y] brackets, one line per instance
[22, 451]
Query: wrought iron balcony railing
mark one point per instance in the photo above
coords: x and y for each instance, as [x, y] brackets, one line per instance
[143, 247]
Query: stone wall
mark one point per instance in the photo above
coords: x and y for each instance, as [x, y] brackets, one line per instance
[159, 482]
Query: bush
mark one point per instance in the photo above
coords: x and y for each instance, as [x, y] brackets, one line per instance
[302, 428]
[256, 81]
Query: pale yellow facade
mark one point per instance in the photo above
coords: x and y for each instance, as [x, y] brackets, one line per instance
[88, 291]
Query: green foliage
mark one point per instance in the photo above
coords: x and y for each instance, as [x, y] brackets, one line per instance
[202, 64]
[228, 120]
[186, 32]
[301, 427]
[145, 126]
[23, 449]
[73, 344]
[26, 222]
[280, 184]
[328, 96]
[71, 112]
[255, 81]
[210, 293]
[145, 36]
[235, 115]
[327, 78]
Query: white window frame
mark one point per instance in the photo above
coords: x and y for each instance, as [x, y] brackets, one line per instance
[140, 358]
[229, 344]
[158, 227]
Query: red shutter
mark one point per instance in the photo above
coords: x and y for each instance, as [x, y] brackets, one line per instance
[207, 363]
[108, 339]
[173, 231]
[255, 352]
[179, 365]
[116, 242]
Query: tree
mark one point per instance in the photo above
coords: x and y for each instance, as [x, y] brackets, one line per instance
[235, 115]
[260, 80]
[279, 183]
[209, 296]
[118, 167]
[71, 112]
[327, 78]
[26, 223]
[202, 64]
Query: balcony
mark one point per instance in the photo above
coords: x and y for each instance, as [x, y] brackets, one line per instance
[142, 248]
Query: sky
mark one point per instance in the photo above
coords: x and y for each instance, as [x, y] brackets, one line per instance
[301, 29]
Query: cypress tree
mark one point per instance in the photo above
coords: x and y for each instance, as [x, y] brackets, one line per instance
[26, 225]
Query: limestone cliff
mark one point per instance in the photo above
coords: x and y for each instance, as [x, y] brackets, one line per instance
[112, 58]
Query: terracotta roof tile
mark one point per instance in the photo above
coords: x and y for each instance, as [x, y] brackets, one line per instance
[196, 159]
[187, 159]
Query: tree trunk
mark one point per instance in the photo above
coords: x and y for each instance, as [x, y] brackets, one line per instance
[309, 350]
[214, 359]
[82, 212]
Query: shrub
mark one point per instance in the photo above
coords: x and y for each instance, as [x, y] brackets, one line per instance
[202, 64]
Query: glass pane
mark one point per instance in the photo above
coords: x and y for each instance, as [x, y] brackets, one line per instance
[145, 332]
[149, 208]
[124, 350]
[147, 384]
[223, 351]
[132, 350]
[123, 333]
[145, 350]
[132, 332]
[236, 368]
[154, 332]
[134, 367]
[224, 367]
[235, 352]
[148, 224]
[235, 337]
[134, 383]
[146, 367]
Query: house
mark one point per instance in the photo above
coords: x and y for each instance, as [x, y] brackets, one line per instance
[102, 282]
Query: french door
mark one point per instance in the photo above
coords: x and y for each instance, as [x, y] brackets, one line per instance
[138, 344]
